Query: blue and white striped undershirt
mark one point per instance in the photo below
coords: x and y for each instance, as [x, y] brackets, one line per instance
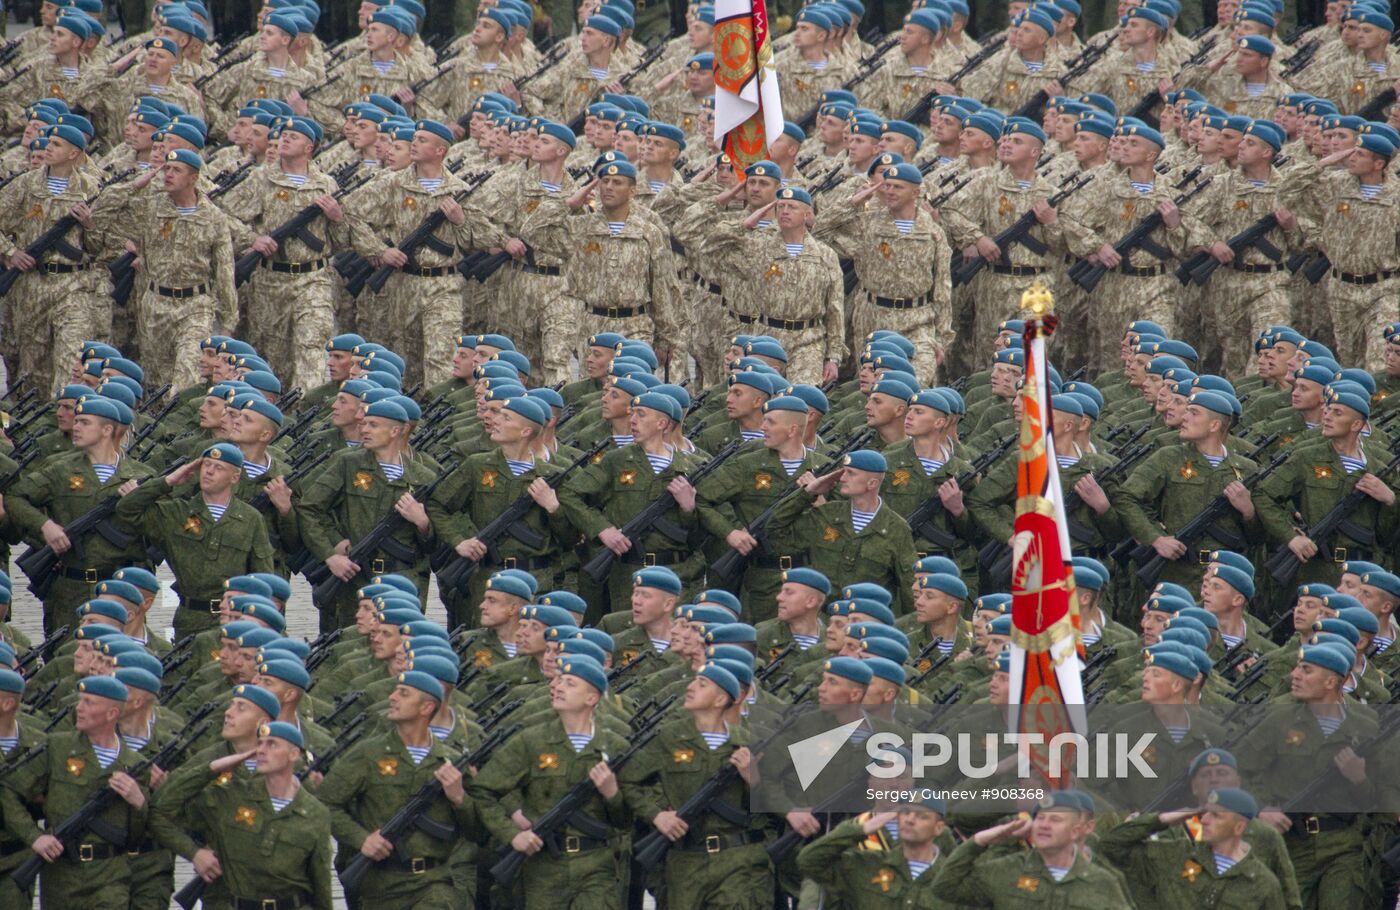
[1224, 863]
[1382, 644]
[598, 72]
[1376, 67]
[751, 434]
[383, 66]
[1066, 461]
[391, 471]
[8, 743]
[918, 70]
[418, 753]
[904, 225]
[793, 249]
[860, 519]
[298, 180]
[253, 469]
[1328, 724]
[1034, 66]
[1178, 731]
[1231, 640]
[431, 184]
[1024, 184]
[490, 67]
[661, 645]
[623, 440]
[615, 227]
[1146, 66]
[216, 510]
[251, 765]
[931, 465]
[104, 472]
[1057, 872]
[715, 740]
[656, 185]
[186, 209]
[550, 187]
[70, 72]
[137, 743]
[803, 642]
[945, 645]
[519, 467]
[660, 462]
[509, 648]
[1215, 460]
[57, 186]
[892, 829]
[1141, 187]
[765, 223]
[105, 756]
[278, 803]
[917, 868]
[580, 741]
[153, 89]
[1253, 182]
[277, 72]
[1255, 89]
[817, 65]
[1370, 190]
[1351, 463]
[442, 732]
[1091, 636]
[790, 465]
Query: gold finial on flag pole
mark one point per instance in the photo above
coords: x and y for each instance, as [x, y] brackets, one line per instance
[1037, 300]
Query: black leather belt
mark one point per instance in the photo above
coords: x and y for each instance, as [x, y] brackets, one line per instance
[1373, 278]
[436, 272]
[1345, 554]
[1151, 271]
[90, 576]
[1265, 269]
[270, 903]
[414, 866]
[636, 557]
[548, 271]
[146, 846]
[527, 563]
[787, 325]
[714, 843]
[569, 843]
[295, 268]
[778, 562]
[64, 268]
[712, 288]
[1308, 825]
[898, 303]
[1019, 271]
[618, 312]
[202, 606]
[87, 853]
[181, 293]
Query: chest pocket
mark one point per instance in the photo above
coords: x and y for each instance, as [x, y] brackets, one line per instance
[549, 772]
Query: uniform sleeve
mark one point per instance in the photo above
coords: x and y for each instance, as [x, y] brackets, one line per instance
[170, 803]
[338, 791]
[501, 778]
[221, 275]
[834, 310]
[959, 880]
[824, 859]
[260, 557]
[449, 507]
[1273, 505]
[18, 788]
[585, 487]
[318, 873]
[319, 528]
[1138, 496]
[141, 507]
[26, 501]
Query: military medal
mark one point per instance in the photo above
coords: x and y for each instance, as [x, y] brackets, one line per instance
[245, 816]
[75, 766]
[192, 524]
[1190, 870]
[683, 756]
[388, 767]
[763, 481]
[830, 535]
[627, 478]
[548, 761]
[488, 478]
[884, 878]
[75, 482]
[1028, 883]
[362, 480]
[900, 478]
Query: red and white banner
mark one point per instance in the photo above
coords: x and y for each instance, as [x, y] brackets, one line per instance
[1047, 649]
[747, 107]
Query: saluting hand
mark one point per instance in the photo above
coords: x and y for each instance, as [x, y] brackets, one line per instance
[184, 473]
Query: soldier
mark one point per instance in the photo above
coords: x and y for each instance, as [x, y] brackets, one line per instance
[856, 539]
[206, 537]
[531, 771]
[787, 281]
[569, 87]
[352, 493]
[1220, 863]
[186, 250]
[1178, 481]
[1301, 492]
[807, 68]
[899, 875]
[1023, 68]
[618, 264]
[66, 487]
[372, 781]
[95, 871]
[900, 256]
[53, 305]
[1054, 864]
[267, 834]
[424, 296]
[290, 308]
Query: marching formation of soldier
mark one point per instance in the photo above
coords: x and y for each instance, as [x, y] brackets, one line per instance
[479, 326]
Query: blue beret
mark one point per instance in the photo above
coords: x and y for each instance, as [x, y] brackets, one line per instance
[937, 565]
[1013, 356]
[617, 169]
[1361, 618]
[706, 14]
[663, 404]
[730, 633]
[1268, 131]
[925, 18]
[1378, 578]
[810, 578]
[107, 408]
[1000, 625]
[1219, 402]
[11, 683]
[1088, 578]
[904, 128]
[423, 682]
[1242, 582]
[951, 585]
[1350, 395]
[722, 678]
[225, 452]
[604, 24]
[849, 668]
[790, 403]
[658, 577]
[558, 131]
[281, 729]
[1376, 144]
[1372, 17]
[256, 637]
[440, 130]
[108, 609]
[1232, 799]
[286, 648]
[138, 678]
[721, 597]
[1165, 603]
[1025, 126]
[1212, 757]
[288, 671]
[1326, 657]
[795, 194]
[395, 19]
[528, 408]
[1146, 132]
[866, 460]
[874, 609]
[868, 590]
[1151, 15]
[442, 668]
[509, 584]
[764, 168]
[905, 172]
[886, 668]
[1170, 661]
[586, 669]
[389, 410]
[1038, 17]
[259, 697]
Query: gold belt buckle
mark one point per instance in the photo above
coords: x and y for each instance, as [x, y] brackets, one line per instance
[377, 567]
[90, 576]
[649, 560]
[712, 843]
[269, 904]
[785, 562]
[612, 313]
[508, 562]
[214, 606]
[1203, 557]
[1339, 554]
[572, 844]
[1311, 825]
[85, 853]
[418, 865]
